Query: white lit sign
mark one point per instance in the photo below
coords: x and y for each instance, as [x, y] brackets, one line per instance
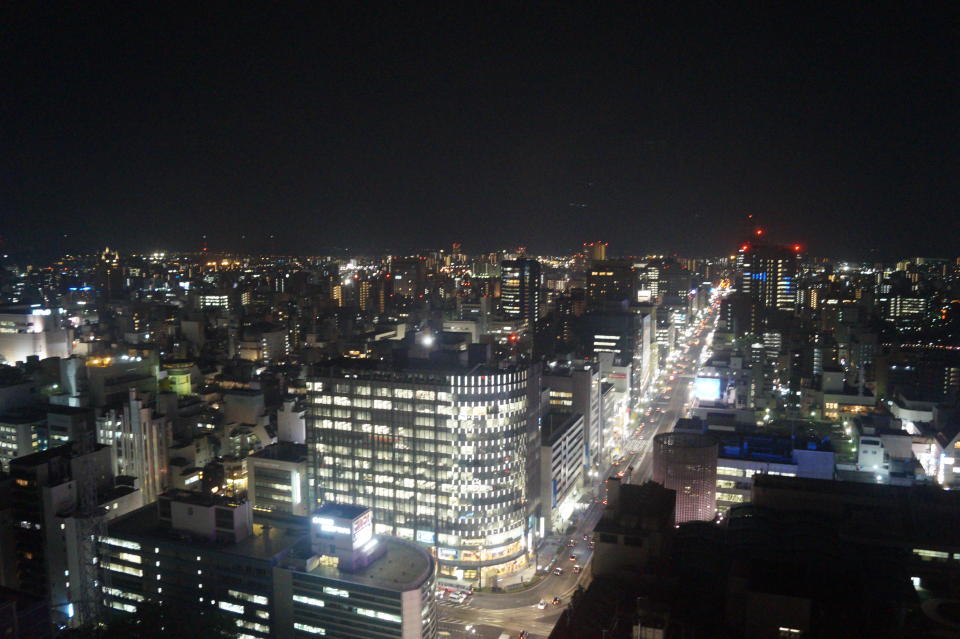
[707, 388]
[363, 529]
[327, 525]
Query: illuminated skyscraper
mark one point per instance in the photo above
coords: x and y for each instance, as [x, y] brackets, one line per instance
[520, 289]
[769, 275]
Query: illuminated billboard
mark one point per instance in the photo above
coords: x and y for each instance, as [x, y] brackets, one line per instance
[707, 388]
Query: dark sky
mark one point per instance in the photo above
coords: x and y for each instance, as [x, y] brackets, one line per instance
[401, 126]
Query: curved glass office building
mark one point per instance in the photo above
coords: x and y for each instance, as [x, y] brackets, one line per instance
[438, 454]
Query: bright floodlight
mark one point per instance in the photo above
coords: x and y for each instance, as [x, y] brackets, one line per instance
[428, 340]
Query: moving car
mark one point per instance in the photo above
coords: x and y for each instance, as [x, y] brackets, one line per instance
[573, 557]
[558, 571]
[541, 604]
[556, 601]
[577, 569]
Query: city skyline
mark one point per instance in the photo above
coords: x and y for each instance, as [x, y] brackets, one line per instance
[497, 321]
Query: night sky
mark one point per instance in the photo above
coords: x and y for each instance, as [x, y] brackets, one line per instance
[401, 126]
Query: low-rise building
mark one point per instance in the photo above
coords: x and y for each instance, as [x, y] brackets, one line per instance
[277, 479]
[741, 457]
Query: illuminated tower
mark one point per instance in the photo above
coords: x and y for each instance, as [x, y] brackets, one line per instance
[687, 463]
[769, 275]
[520, 290]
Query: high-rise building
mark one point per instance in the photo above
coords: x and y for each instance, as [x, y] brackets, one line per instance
[687, 463]
[596, 251]
[738, 314]
[630, 338]
[520, 289]
[282, 576]
[769, 275]
[438, 454]
[611, 284]
[140, 439]
[407, 275]
[60, 497]
[576, 389]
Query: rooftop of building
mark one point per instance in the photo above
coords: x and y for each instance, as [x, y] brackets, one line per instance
[605, 610]
[270, 540]
[341, 511]
[67, 451]
[282, 451]
[413, 368]
[25, 415]
[243, 392]
[847, 390]
[638, 507]
[918, 515]
[404, 566]
[567, 369]
[768, 448]
[61, 409]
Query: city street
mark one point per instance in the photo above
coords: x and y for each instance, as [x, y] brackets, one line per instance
[487, 615]
[670, 400]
